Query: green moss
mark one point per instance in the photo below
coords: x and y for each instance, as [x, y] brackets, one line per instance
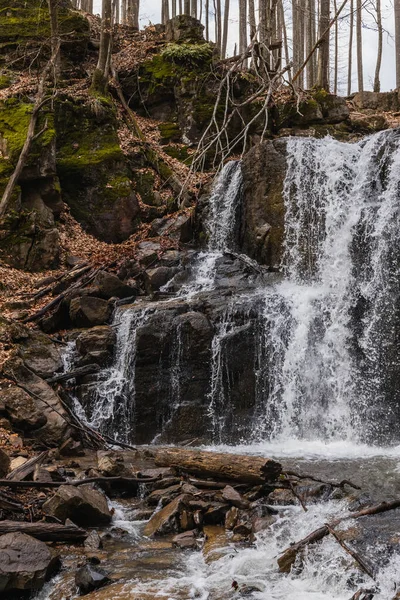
[5, 81]
[188, 54]
[170, 132]
[180, 153]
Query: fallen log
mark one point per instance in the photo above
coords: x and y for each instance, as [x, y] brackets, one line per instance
[76, 482]
[287, 558]
[359, 559]
[27, 468]
[78, 372]
[47, 532]
[222, 466]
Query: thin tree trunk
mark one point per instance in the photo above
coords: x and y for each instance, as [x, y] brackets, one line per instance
[310, 41]
[350, 65]
[180, 7]
[242, 26]
[377, 82]
[285, 40]
[336, 62]
[225, 30]
[323, 56]
[252, 19]
[397, 43]
[193, 8]
[173, 8]
[186, 7]
[100, 76]
[55, 38]
[359, 46]
[30, 136]
[217, 10]
[207, 11]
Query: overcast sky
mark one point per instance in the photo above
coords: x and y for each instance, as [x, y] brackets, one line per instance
[150, 13]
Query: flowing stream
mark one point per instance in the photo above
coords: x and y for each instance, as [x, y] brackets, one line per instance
[326, 364]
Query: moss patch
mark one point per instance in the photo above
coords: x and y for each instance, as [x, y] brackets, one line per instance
[170, 132]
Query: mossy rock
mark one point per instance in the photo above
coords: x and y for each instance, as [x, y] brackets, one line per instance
[23, 23]
[95, 179]
[170, 132]
[180, 153]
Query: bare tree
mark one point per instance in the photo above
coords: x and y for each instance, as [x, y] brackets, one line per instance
[359, 45]
[218, 27]
[323, 55]
[336, 50]
[377, 82]
[225, 29]
[101, 73]
[350, 65]
[186, 7]
[397, 45]
[242, 26]
[55, 36]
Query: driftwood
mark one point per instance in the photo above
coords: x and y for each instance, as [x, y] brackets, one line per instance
[79, 372]
[27, 468]
[335, 484]
[286, 560]
[352, 552]
[223, 466]
[47, 532]
[8, 503]
[76, 482]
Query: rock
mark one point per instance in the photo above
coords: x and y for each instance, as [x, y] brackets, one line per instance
[40, 354]
[41, 474]
[229, 494]
[185, 540]
[261, 523]
[96, 345]
[167, 519]
[89, 578]
[184, 28]
[147, 253]
[215, 515]
[186, 520]
[46, 400]
[368, 123]
[88, 311]
[21, 409]
[263, 204]
[17, 462]
[164, 495]
[4, 463]
[158, 277]
[383, 101]
[111, 463]
[282, 497]
[243, 528]
[71, 447]
[334, 108]
[93, 541]
[84, 505]
[231, 518]
[106, 285]
[25, 563]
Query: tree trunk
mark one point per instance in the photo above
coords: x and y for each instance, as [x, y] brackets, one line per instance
[193, 8]
[100, 76]
[217, 9]
[207, 11]
[359, 46]
[231, 467]
[225, 31]
[55, 38]
[350, 65]
[47, 532]
[186, 7]
[285, 39]
[310, 41]
[242, 26]
[377, 82]
[397, 43]
[323, 55]
[135, 14]
[173, 8]
[336, 61]
[252, 19]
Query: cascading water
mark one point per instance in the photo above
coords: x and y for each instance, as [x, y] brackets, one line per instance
[330, 326]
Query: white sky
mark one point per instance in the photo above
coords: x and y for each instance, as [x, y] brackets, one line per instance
[150, 11]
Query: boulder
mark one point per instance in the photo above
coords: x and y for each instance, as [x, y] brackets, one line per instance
[40, 354]
[88, 311]
[106, 285]
[46, 400]
[185, 540]
[158, 277]
[84, 505]
[96, 345]
[17, 462]
[167, 519]
[89, 578]
[4, 463]
[93, 541]
[25, 563]
[264, 170]
[110, 463]
[184, 28]
[229, 494]
[21, 409]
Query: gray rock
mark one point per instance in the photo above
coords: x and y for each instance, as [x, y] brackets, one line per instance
[229, 494]
[93, 541]
[106, 285]
[25, 563]
[84, 505]
[89, 578]
[156, 278]
[22, 409]
[96, 345]
[184, 28]
[111, 463]
[185, 540]
[87, 311]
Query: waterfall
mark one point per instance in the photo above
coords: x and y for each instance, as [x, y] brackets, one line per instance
[330, 327]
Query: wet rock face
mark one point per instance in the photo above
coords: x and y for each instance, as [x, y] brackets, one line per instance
[25, 563]
[264, 170]
[89, 578]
